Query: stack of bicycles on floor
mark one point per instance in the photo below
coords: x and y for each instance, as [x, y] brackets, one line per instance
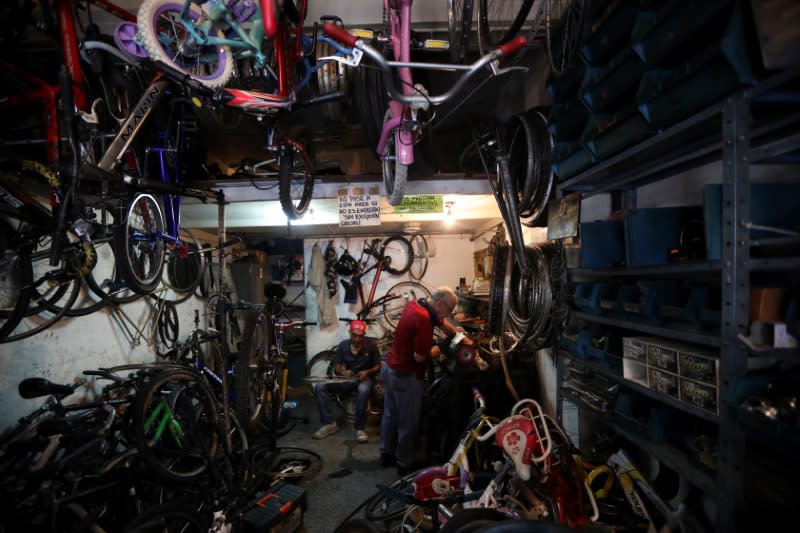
[155, 450]
[519, 468]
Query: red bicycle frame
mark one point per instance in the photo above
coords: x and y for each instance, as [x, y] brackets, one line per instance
[47, 93]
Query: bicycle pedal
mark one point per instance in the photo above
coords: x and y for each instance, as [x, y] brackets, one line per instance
[439, 45]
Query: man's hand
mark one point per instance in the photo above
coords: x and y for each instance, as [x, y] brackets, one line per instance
[364, 374]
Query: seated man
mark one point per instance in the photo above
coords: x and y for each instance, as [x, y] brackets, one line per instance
[357, 358]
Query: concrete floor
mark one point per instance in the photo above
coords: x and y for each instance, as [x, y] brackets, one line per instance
[355, 466]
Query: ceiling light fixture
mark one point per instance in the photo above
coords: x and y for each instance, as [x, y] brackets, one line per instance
[449, 218]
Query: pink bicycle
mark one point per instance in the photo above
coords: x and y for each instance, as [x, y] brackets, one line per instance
[402, 126]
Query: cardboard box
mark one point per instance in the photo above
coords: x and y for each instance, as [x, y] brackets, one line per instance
[663, 354]
[766, 304]
[700, 395]
[634, 371]
[635, 348]
[663, 382]
[699, 365]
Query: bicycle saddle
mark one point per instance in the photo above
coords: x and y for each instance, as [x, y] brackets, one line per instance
[38, 387]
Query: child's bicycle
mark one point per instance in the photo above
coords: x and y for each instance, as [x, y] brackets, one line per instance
[203, 43]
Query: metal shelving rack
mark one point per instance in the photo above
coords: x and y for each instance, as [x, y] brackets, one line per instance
[731, 133]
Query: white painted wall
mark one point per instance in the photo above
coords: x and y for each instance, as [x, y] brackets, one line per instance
[452, 261]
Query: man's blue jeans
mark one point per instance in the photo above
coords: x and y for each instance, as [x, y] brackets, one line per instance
[327, 389]
[402, 402]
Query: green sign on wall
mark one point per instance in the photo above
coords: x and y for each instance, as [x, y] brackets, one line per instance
[421, 203]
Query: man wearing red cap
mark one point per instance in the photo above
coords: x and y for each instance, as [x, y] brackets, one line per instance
[357, 358]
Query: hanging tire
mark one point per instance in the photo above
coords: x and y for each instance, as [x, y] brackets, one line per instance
[138, 246]
[296, 175]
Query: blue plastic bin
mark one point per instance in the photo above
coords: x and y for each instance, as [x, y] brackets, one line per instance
[603, 243]
[651, 232]
[771, 204]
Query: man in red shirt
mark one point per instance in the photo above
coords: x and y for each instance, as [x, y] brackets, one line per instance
[404, 372]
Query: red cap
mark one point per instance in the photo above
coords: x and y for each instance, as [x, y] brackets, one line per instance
[358, 327]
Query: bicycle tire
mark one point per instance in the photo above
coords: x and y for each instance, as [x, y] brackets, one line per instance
[295, 464]
[152, 12]
[382, 508]
[252, 390]
[406, 291]
[170, 518]
[182, 271]
[113, 287]
[470, 520]
[396, 250]
[320, 366]
[459, 27]
[175, 458]
[564, 20]
[395, 174]
[296, 180]
[167, 328]
[495, 23]
[419, 253]
[40, 320]
[15, 282]
[141, 261]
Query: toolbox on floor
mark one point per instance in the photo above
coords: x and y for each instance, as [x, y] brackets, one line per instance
[279, 509]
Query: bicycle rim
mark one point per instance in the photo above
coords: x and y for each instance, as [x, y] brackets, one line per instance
[57, 299]
[404, 292]
[563, 32]
[499, 21]
[170, 518]
[166, 39]
[395, 174]
[175, 420]
[16, 276]
[419, 252]
[252, 388]
[183, 268]
[139, 247]
[459, 27]
[296, 174]
[320, 366]
[398, 256]
[384, 508]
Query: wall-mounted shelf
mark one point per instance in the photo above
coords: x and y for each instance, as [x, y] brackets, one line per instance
[707, 339]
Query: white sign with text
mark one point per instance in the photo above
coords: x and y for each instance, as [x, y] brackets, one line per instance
[359, 210]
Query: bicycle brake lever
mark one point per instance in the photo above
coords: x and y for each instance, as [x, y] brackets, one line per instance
[352, 61]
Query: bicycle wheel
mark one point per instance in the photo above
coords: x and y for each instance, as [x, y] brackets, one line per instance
[252, 384]
[459, 27]
[469, 520]
[563, 32]
[48, 303]
[396, 251]
[169, 518]
[320, 366]
[499, 21]
[383, 508]
[166, 39]
[403, 292]
[296, 174]
[395, 173]
[295, 464]
[138, 244]
[419, 261]
[175, 425]
[16, 276]
[183, 268]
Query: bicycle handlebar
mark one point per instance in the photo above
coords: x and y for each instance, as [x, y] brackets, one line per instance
[340, 34]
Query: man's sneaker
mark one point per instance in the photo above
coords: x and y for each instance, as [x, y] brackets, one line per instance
[326, 431]
[361, 435]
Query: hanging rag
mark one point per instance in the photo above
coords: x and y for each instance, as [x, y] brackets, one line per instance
[326, 306]
[330, 269]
